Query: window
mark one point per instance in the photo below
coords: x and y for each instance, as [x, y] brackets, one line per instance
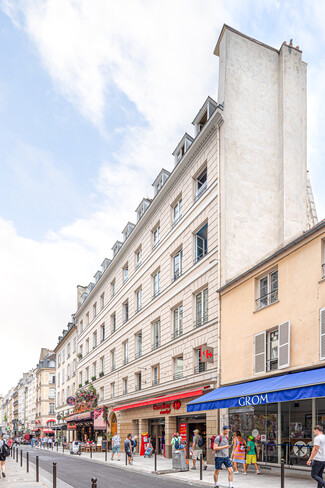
[74, 366]
[177, 322]
[94, 371]
[155, 375]
[87, 319]
[52, 393]
[63, 355]
[87, 346]
[94, 310]
[138, 299]
[156, 237]
[177, 264]
[58, 380]
[58, 401]
[59, 360]
[125, 311]
[102, 366]
[52, 378]
[68, 371]
[113, 288]
[138, 345]
[102, 333]
[68, 350]
[74, 344]
[201, 308]
[138, 258]
[101, 394]
[138, 381]
[87, 374]
[94, 340]
[201, 184]
[178, 367]
[113, 365]
[267, 290]
[51, 408]
[156, 284]
[102, 301]
[201, 243]
[199, 366]
[125, 273]
[125, 352]
[156, 334]
[272, 348]
[81, 326]
[81, 351]
[113, 390]
[125, 386]
[113, 323]
[63, 376]
[80, 378]
[177, 212]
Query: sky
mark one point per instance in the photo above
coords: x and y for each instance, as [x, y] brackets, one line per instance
[94, 97]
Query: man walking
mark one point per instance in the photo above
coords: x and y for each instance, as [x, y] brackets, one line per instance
[197, 449]
[221, 447]
[116, 446]
[317, 457]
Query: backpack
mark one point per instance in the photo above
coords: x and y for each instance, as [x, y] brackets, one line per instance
[176, 443]
[213, 440]
[216, 440]
[242, 446]
[200, 442]
[5, 449]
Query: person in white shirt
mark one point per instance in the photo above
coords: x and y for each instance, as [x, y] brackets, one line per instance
[116, 446]
[317, 457]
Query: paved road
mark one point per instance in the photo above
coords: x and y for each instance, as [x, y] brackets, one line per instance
[78, 472]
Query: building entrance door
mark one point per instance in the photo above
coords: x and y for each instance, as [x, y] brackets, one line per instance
[157, 431]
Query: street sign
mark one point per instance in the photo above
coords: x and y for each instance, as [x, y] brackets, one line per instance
[206, 354]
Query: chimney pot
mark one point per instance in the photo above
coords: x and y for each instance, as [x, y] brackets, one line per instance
[291, 43]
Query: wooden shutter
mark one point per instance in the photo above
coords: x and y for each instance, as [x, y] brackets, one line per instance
[322, 333]
[284, 345]
[260, 352]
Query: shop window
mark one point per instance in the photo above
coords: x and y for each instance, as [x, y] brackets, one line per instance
[138, 345]
[178, 367]
[201, 243]
[138, 383]
[156, 335]
[177, 322]
[177, 264]
[201, 184]
[155, 375]
[267, 290]
[199, 366]
[125, 352]
[125, 386]
[201, 308]
[272, 349]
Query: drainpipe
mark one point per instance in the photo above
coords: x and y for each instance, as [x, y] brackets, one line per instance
[219, 273]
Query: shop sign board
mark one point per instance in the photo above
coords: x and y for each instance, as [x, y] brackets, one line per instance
[79, 416]
[206, 354]
[71, 426]
[165, 408]
[253, 400]
[183, 432]
[99, 422]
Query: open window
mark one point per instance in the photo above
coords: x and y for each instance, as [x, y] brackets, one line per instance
[201, 242]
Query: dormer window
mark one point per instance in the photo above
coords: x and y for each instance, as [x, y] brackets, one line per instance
[97, 275]
[206, 111]
[127, 230]
[182, 147]
[105, 264]
[142, 208]
[160, 180]
[117, 246]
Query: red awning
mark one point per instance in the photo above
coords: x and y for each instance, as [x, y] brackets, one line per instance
[48, 431]
[51, 420]
[152, 401]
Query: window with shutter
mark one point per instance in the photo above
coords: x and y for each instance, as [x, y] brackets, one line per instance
[322, 333]
[284, 345]
[260, 352]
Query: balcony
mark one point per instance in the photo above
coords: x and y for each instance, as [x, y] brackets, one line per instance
[177, 333]
[200, 368]
[155, 345]
[138, 354]
[177, 375]
[201, 320]
[155, 381]
[267, 299]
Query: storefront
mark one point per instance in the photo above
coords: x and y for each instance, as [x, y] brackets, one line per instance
[83, 425]
[279, 412]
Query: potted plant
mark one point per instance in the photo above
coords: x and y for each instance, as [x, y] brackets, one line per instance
[86, 382]
[101, 374]
[93, 378]
[79, 355]
[80, 385]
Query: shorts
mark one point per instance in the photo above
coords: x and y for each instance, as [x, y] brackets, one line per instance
[219, 461]
[196, 454]
[251, 459]
[116, 449]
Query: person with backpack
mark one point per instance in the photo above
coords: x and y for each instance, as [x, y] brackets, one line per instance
[4, 453]
[221, 456]
[176, 442]
[128, 448]
[239, 452]
[196, 450]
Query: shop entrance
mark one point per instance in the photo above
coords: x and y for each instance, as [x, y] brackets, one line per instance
[186, 426]
[156, 428]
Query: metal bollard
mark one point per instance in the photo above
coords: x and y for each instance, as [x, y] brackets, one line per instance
[21, 457]
[91, 451]
[54, 475]
[27, 462]
[13, 452]
[93, 482]
[282, 473]
[37, 469]
[106, 454]
[155, 459]
[52, 445]
[16, 454]
[63, 447]
[126, 458]
[57, 447]
[201, 467]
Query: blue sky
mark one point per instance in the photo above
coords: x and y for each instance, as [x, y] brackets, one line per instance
[94, 97]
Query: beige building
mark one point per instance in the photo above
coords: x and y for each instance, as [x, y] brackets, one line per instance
[66, 354]
[273, 350]
[45, 394]
[153, 310]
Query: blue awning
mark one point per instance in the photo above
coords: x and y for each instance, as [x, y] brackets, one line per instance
[284, 388]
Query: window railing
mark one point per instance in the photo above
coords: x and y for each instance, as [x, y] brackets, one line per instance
[138, 354]
[155, 381]
[272, 364]
[177, 274]
[200, 368]
[138, 264]
[201, 255]
[155, 293]
[177, 332]
[175, 221]
[267, 299]
[323, 270]
[155, 345]
[125, 361]
[113, 368]
[177, 375]
[201, 320]
[201, 190]
[138, 387]
[138, 308]
[125, 391]
[155, 244]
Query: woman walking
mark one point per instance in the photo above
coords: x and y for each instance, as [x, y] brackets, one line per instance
[239, 452]
[4, 452]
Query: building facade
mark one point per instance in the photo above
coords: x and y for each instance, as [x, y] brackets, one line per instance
[45, 394]
[153, 309]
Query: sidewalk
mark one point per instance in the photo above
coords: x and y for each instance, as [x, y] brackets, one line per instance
[293, 479]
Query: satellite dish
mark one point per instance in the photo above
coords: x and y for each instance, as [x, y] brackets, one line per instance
[300, 449]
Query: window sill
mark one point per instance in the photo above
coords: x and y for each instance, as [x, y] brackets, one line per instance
[266, 306]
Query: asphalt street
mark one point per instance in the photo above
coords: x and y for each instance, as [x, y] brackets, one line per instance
[78, 472]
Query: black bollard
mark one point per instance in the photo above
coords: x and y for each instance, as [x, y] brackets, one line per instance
[126, 458]
[57, 446]
[282, 473]
[106, 454]
[91, 451]
[21, 457]
[93, 482]
[16, 454]
[13, 452]
[201, 467]
[37, 469]
[155, 459]
[52, 445]
[54, 475]
[63, 447]
[27, 462]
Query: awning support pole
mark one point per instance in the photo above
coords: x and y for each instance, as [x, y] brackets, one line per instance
[279, 434]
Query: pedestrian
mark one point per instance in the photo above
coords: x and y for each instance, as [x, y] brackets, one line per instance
[116, 446]
[149, 446]
[176, 442]
[10, 442]
[4, 453]
[128, 448]
[239, 452]
[134, 444]
[221, 449]
[251, 455]
[317, 457]
[196, 450]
